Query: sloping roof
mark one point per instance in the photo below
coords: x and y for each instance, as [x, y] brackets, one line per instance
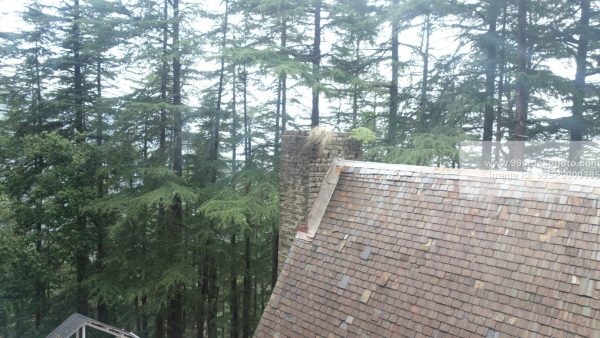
[424, 252]
[76, 322]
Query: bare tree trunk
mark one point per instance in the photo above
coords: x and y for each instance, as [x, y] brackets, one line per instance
[101, 306]
[355, 91]
[159, 327]
[210, 261]
[20, 326]
[175, 325]
[203, 284]
[520, 127]
[81, 255]
[424, 113]
[159, 330]
[217, 126]
[138, 316]
[316, 61]
[145, 332]
[501, 82]
[213, 297]
[280, 112]
[247, 130]
[490, 79]
[39, 282]
[234, 124]
[247, 286]
[284, 117]
[163, 83]
[274, 255]
[580, 77]
[392, 132]
[177, 127]
[276, 143]
[233, 296]
[77, 64]
[253, 271]
[40, 285]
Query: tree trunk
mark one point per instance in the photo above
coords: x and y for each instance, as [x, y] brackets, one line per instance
[38, 89]
[213, 297]
[234, 124]
[162, 148]
[39, 282]
[77, 65]
[277, 140]
[247, 286]
[253, 272]
[316, 61]
[490, 79]
[203, 284]
[145, 332]
[520, 126]
[20, 326]
[101, 307]
[501, 82]
[159, 331]
[280, 111]
[233, 296]
[424, 113]
[177, 121]
[274, 255]
[284, 117]
[40, 293]
[247, 130]
[138, 314]
[392, 132]
[159, 327]
[217, 126]
[580, 77]
[175, 325]
[81, 255]
[81, 263]
[355, 91]
[211, 288]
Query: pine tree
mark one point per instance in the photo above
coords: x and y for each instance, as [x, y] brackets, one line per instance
[353, 58]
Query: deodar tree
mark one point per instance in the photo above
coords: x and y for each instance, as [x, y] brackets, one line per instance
[140, 140]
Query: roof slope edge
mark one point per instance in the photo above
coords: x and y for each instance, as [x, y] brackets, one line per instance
[338, 166]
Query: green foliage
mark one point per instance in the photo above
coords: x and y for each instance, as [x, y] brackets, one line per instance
[227, 211]
[363, 134]
[93, 217]
[425, 149]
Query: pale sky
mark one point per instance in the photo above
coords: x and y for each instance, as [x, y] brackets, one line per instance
[442, 42]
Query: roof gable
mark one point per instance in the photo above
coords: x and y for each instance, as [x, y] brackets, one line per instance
[409, 251]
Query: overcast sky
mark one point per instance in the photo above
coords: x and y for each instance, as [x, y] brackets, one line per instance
[442, 42]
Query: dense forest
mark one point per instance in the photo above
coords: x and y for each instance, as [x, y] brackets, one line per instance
[139, 139]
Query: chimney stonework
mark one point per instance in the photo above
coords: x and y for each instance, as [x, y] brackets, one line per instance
[302, 170]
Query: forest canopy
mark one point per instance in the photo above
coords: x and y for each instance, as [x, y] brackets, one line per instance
[140, 139]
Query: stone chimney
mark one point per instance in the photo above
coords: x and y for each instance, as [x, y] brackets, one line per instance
[303, 167]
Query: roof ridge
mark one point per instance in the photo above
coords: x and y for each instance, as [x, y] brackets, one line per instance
[471, 173]
[338, 166]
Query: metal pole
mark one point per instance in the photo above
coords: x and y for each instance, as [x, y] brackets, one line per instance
[83, 331]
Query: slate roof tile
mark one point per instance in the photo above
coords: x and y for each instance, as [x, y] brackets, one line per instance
[443, 253]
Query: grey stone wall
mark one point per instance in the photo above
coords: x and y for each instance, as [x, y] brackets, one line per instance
[302, 170]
